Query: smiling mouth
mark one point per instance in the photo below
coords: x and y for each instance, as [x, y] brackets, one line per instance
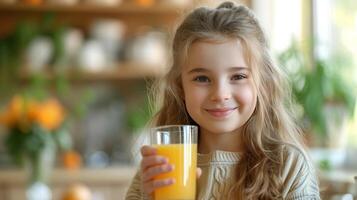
[219, 113]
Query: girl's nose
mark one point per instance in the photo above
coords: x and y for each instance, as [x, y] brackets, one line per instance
[220, 92]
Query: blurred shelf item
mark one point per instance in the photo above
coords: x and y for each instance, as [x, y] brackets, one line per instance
[125, 71]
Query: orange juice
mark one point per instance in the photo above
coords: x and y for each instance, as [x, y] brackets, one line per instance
[184, 158]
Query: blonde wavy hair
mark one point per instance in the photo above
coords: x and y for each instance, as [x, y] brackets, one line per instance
[271, 127]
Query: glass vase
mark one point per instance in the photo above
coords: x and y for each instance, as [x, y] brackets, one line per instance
[39, 166]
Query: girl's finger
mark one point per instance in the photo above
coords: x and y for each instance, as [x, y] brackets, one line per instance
[154, 171]
[152, 160]
[150, 186]
[147, 150]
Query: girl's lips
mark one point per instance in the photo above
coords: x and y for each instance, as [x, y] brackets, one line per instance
[222, 112]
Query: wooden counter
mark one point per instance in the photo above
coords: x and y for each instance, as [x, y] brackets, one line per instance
[107, 183]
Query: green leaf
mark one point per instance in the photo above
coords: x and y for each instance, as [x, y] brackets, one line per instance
[63, 138]
[325, 165]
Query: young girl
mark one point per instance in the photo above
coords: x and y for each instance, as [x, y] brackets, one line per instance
[224, 81]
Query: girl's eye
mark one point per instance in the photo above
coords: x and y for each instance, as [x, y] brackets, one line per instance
[238, 77]
[201, 79]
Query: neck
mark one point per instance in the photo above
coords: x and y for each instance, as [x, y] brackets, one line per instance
[219, 141]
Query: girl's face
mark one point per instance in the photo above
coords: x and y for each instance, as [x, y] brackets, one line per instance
[219, 91]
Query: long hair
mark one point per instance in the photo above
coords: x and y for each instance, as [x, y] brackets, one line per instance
[270, 128]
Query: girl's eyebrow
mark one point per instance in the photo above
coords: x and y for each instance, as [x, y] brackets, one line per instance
[197, 70]
[239, 68]
[200, 69]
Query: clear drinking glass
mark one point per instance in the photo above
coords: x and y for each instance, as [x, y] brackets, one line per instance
[178, 143]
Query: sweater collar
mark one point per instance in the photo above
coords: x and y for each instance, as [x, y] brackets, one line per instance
[219, 156]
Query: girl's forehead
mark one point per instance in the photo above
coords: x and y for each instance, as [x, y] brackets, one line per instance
[216, 42]
[227, 52]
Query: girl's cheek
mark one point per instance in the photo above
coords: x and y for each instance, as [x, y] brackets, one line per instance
[246, 95]
[196, 91]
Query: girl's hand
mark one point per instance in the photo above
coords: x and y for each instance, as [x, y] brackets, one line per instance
[151, 166]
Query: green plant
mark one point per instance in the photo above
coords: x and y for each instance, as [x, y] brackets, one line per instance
[315, 86]
[13, 47]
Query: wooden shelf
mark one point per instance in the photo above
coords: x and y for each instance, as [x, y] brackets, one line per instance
[127, 71]
[83, 15]
[92, 9]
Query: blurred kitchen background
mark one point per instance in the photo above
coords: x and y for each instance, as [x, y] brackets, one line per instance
[75, 74]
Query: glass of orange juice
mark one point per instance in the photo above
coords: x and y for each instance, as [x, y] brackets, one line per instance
[178, 143]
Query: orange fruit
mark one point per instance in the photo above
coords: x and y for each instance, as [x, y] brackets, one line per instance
[77, 192]
[71, 160]
[50, 114]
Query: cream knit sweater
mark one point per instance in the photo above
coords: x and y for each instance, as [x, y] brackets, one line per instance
[218, 175]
